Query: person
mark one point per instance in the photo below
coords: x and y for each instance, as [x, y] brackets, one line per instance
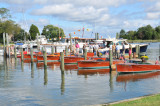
[77, 48]
[117, 50]
[96, 48]
[156, 62]
[130, 52]
[114, 50]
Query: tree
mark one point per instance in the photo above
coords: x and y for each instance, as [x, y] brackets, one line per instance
[122, 33]
[52, 32]
[4, 13]
[33, 31]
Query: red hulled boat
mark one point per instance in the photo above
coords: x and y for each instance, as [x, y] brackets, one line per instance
[50, 58]
[93, 64]
[93, 71]
[74, 59]
[135, 68]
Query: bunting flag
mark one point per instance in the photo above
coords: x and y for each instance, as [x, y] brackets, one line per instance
[74, 33]
[79, 30]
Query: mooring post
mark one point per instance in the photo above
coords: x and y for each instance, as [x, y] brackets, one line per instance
[22, 54]
[66, 50]
[38, 42]
[8, 48]
[45, 58]
[159, 52]
[62, 61]
[55, 49]
[4, 45]
[52, 49]
[15, 52]
[31, 53]
[70, 42]
[137, 49]
[130, 51]
[85, 54]
[110, 59]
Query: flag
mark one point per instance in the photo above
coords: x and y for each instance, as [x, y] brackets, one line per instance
[74, 33]
[79, 30]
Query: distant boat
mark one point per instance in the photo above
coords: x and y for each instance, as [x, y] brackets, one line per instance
[109, 42]
[136, 68]
[93, 71]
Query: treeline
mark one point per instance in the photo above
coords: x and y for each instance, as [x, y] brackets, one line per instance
[16, 33]
[143, 33]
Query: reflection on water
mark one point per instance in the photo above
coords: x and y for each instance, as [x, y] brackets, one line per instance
[30, 84]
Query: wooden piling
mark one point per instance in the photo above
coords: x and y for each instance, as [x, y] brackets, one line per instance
[4, 45]
[62, 61]
[52, 49]
[55, 49]
[70, 42]
[31, 53]
[45, 58]
[22, 55]
[85, 54]
[38, 43]
[66, 50]
[130, 48]
[110, 59]
[8, 48]
[15, 52]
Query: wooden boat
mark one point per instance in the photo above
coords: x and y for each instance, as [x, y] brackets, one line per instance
[74, 59]
[93, 71]
[28, 56]
[94, 64]
[135, 68]
[29, 60]
[135, 77]
[50, 58]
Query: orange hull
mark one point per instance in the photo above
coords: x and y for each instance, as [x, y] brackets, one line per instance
[49, 58]
[135, 77]
[92, 64]
[90, 54]
[93, 71]
[26, 56]
[41, 64]
[29, 60]
[131, 67]
[74, 59]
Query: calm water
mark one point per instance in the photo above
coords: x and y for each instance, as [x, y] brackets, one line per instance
[30, 84]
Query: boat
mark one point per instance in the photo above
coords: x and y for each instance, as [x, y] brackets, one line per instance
[136, 68]
[136, 77]
[96, 64]
[50, 58]
[93, 71]
[109, 42]
[74, 59]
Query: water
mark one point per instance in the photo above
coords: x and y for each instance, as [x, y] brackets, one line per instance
[30, 84]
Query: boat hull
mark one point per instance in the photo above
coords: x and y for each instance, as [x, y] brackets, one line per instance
[92, 64]
[136, 68]
[74, 59]
[50, 58]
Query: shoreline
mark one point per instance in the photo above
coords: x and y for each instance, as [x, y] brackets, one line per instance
[127, 100]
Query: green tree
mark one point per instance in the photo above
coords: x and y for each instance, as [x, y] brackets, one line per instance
[52, 32]
[4, 13]
[33, 31]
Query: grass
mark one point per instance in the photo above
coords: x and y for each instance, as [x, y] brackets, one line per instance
[146, 101]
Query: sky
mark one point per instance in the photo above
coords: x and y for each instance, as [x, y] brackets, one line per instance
[106, 17]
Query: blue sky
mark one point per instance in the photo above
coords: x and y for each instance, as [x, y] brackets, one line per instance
[107, 17]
